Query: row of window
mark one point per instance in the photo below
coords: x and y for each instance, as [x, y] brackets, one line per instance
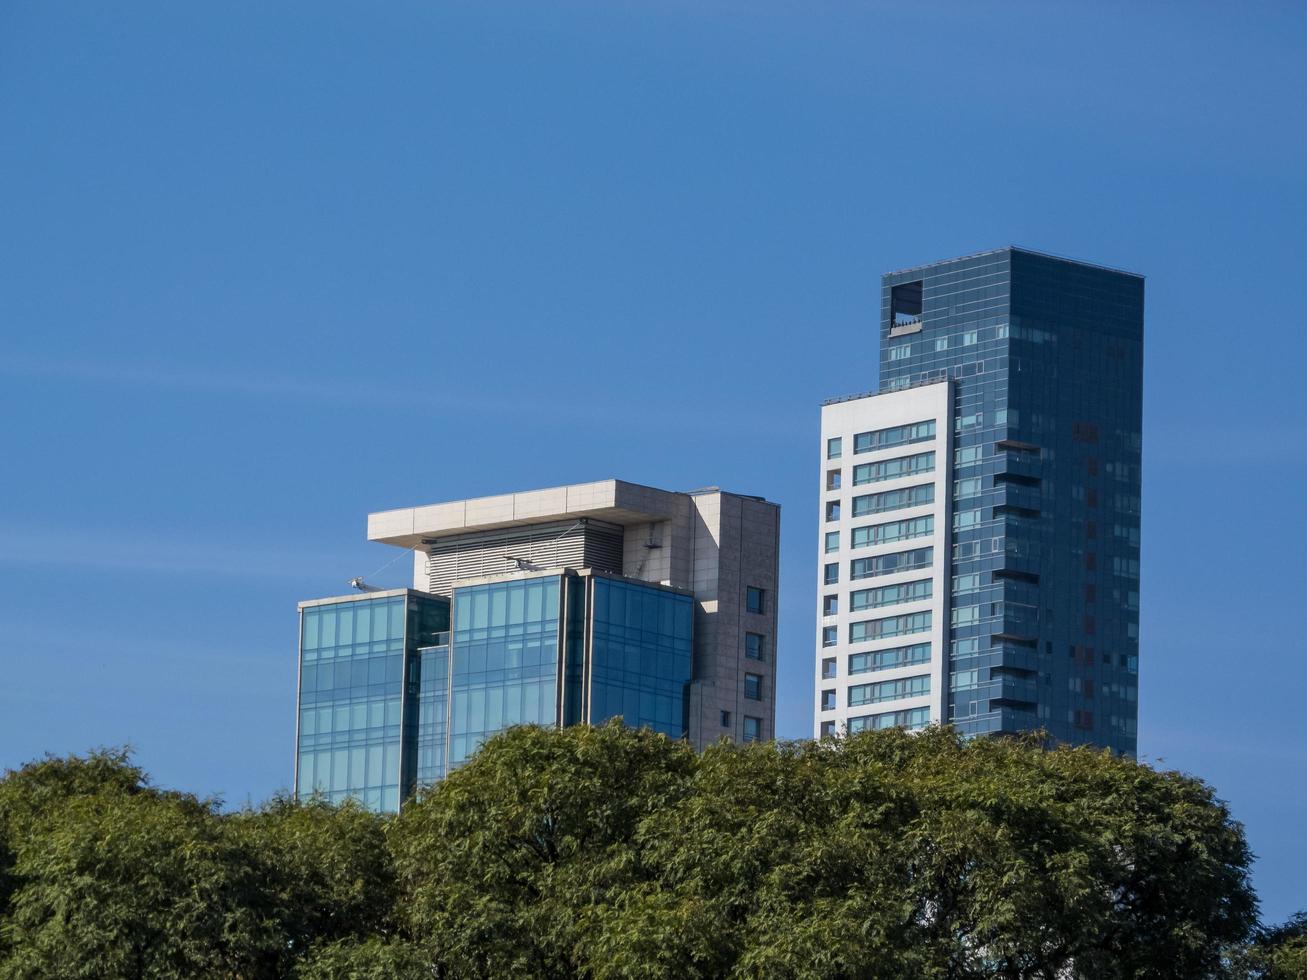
[877, 534]
[866, 663]
[898, 561]
[906, 656]
[879, 629]
[910, 719]
[903, 687]
[890, 595]
[878, 503]
[898, 435]
[893, 469]
[968, 338]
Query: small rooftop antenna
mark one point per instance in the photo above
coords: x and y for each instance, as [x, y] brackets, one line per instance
[357, 581]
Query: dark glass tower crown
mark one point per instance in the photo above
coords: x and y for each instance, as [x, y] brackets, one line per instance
[1046, 360]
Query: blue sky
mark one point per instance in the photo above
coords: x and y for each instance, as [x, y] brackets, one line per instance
[265, 268]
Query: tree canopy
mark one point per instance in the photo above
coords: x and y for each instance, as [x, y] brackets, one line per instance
[613, 852]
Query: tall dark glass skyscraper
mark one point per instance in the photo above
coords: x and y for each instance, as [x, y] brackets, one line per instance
[980, 515]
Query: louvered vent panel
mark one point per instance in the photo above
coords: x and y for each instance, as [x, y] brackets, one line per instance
[573, 544]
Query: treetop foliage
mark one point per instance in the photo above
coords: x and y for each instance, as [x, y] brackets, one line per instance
[613, 852]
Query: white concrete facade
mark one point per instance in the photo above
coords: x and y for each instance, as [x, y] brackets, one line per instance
[845, 420]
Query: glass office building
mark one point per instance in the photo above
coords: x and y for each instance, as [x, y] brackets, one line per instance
[357, 711]
[1008, 416]
[398, 688]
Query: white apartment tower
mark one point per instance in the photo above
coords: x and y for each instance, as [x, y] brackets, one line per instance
[882, 621]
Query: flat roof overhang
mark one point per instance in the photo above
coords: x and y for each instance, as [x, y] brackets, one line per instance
[614, 501]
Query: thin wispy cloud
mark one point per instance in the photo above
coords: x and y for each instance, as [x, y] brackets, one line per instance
[540, 410]
[189, 379]
[128, 551]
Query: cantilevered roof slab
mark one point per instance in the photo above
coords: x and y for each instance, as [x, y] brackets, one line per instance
[614, 501]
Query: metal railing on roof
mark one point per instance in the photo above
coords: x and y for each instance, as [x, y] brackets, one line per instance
[933, 378]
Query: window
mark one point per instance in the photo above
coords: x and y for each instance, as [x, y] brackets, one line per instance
[753, 687]
[726, 719]
[830, 605]
[753, 599]
[967, 488]
[900, 352]
[966, 583]
[874, 534]
[752, 728]
[903, 687]
[833, 479]
[831, 573]
[832, 510]
[966, 647]
[912, 718]
[909, 656]
[898, 561]
[753, 646]
[905, 303]
[899, 435]
[968, 455]
[828, 729]
[941, 344]
[832, 541]
[828, 668]
[876, 503]
[834, 448]
[827, 700]
[890, 595]
[964, 615]
[893, 469]
[877, 629]
[964, 680]
[966, 518]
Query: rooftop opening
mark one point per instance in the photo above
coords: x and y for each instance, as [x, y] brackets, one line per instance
[905, 306]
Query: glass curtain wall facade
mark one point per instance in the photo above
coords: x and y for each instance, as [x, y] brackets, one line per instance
[393, 695]
[1046, 360]
[640, 655]
[356, 710]
[507, 638]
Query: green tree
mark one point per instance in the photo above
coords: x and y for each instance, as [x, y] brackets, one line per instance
[374, 958]
[30, 794]
[610, 853]
[1276, 953]
[501, 862]
[785, 856]
[1034, 863]
[131, 885]
[323, 875]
